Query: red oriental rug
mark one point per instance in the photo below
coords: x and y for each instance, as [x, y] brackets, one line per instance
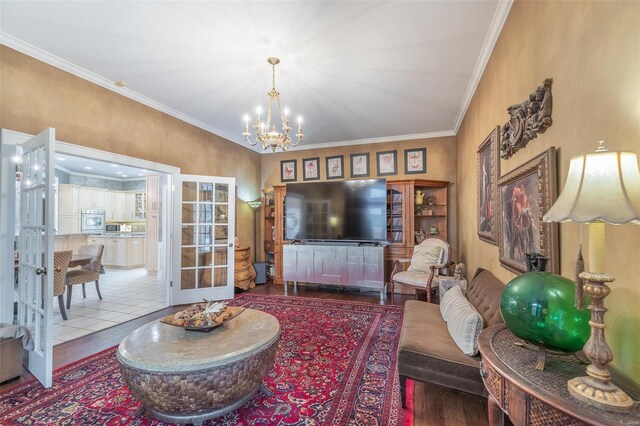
[336, 365]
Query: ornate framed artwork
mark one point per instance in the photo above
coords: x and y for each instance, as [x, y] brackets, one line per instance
[335, 167]
[525, 195]
[288, 171]
[311, 168]
[387, 162]
[415, 161]
[488, 170]
[360, 165]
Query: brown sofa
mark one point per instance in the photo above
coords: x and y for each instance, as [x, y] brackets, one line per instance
[427, 352]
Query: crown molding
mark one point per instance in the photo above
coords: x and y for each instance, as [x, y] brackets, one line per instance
[502, 11]
[44, 56]
[415, 136]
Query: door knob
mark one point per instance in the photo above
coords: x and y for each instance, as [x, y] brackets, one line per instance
[41, 271]
[230, 244]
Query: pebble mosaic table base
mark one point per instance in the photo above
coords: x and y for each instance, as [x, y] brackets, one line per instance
[189, 377]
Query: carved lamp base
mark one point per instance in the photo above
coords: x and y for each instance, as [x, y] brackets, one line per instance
[596, 388]
[606, 396]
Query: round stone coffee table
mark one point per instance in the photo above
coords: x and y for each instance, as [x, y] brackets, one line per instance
[188, 377]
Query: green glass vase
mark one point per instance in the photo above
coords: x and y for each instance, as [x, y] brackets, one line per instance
[539, 307]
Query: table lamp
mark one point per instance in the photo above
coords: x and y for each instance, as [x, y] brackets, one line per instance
[602, 187]
[255, 205]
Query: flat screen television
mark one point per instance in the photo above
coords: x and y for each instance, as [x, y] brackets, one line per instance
[353, 210]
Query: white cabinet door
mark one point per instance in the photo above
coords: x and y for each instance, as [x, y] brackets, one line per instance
[135, 252]
[64, 225]
[129, 206]
[97, 199]
[118, 206]
[108, 206]
[110, 251]
[121, 252]
[67, 200]
[84, 199]
[153, 187]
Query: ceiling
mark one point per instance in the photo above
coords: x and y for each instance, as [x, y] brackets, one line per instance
[87, 166]
[356, 71]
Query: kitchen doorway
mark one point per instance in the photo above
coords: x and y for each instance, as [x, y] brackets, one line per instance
[103, 199]
[119, 207]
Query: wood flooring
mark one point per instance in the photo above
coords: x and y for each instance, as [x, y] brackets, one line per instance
[433, 405]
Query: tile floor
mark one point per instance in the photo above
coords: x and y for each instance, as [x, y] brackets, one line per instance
[125, 295]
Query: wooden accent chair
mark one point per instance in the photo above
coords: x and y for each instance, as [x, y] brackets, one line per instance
[86, 273]
[430, 260]
[61, 261]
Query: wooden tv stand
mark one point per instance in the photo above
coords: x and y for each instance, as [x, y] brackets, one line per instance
[347, 265]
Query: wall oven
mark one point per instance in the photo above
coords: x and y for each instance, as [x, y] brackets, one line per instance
[92, 221]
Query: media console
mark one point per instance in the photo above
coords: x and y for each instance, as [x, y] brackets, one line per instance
[344, 264]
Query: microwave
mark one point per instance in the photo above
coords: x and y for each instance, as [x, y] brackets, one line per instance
[112, 228]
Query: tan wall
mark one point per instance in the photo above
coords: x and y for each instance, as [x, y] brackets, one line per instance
[441, 165]
[36, 95]
[591, 51]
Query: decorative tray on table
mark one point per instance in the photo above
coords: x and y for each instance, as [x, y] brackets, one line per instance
[203, 317]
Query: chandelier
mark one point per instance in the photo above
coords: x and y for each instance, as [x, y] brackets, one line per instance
[266, 133]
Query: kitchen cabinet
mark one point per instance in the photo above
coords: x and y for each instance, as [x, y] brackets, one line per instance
[69, 242]
[108, 206]
[121, 252]
[129, 206]
[68, 224]
[153, 194]
[91, 198]
[118, 206]
[135, 252]
[67, 200]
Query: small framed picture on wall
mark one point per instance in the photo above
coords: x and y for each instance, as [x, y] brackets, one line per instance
[311, 168]
[387, 162]
[415, 161]
[360, 165]
[288, 171]
[335, 167]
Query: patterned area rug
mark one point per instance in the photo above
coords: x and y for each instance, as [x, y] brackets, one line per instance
[336, 365]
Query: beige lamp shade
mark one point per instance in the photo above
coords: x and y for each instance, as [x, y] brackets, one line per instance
[601, 187]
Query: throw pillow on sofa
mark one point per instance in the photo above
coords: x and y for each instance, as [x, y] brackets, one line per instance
[463, 320]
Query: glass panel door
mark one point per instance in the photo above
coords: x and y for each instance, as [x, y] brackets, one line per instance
[35, 248]
[205, 244]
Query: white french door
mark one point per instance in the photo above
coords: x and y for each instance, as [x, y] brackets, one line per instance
[35, 247]
[203, 255]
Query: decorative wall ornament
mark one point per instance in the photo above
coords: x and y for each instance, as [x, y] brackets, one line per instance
[488, 171]
[525, 195]
[528, 119]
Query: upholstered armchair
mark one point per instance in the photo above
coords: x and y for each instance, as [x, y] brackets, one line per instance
[61, 261]
[430, 260]
[87, 273]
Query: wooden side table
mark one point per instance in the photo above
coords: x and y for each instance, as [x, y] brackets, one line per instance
[244, 272]
[532, 397]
